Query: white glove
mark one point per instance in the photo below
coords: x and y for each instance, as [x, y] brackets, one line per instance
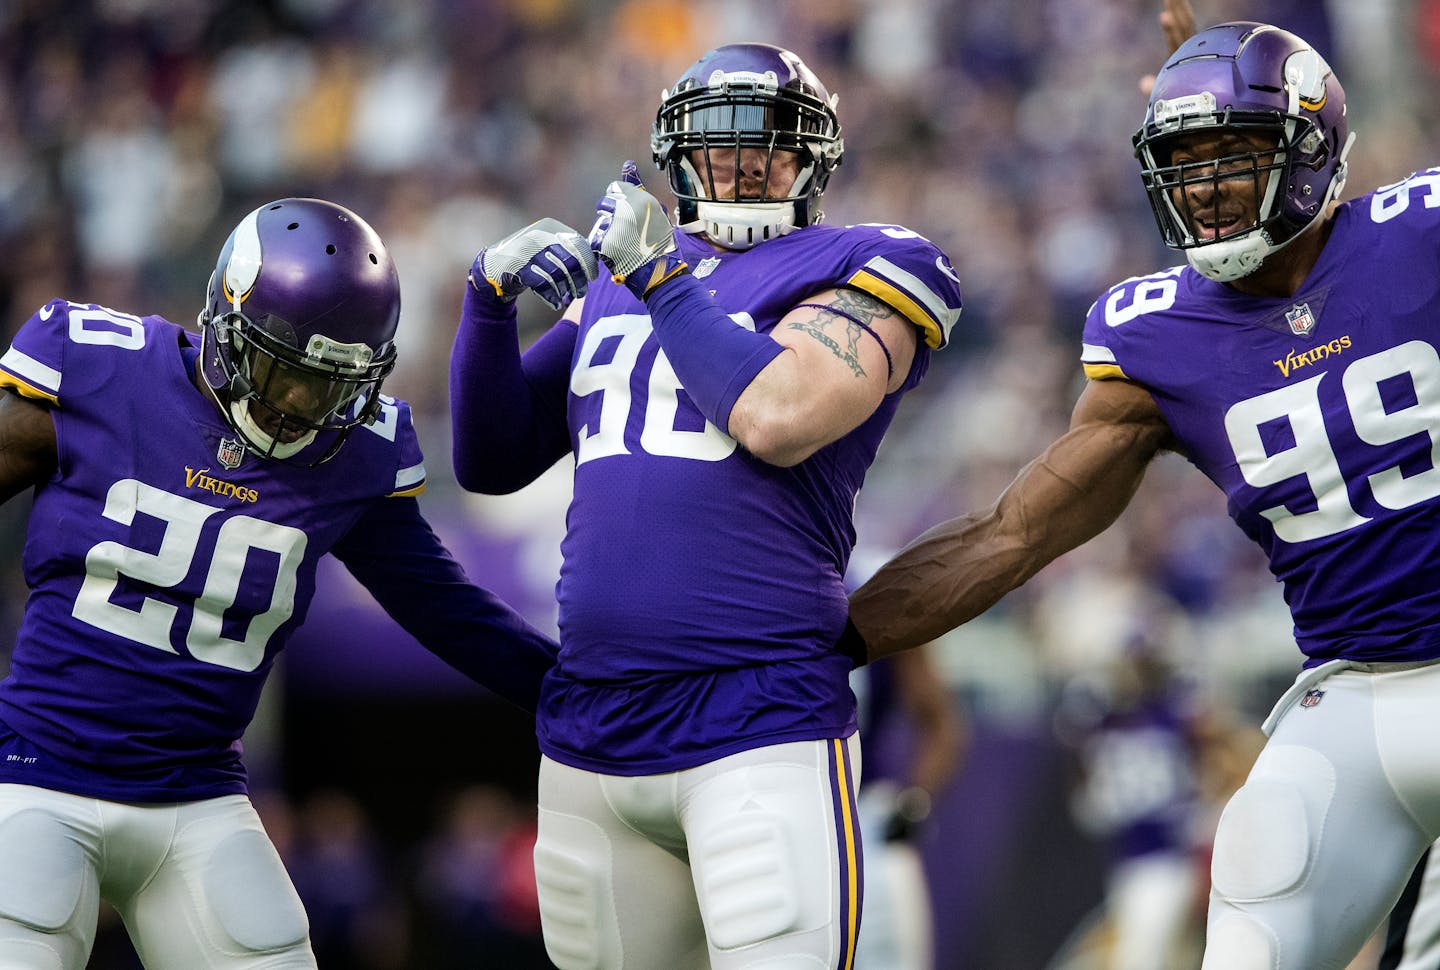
[632, 235]
[546, 256]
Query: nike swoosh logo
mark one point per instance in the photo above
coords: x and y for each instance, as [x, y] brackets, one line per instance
[946, 268]
[47, 311]
[645, 229]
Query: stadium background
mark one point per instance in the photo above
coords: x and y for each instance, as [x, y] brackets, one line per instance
[134, 133]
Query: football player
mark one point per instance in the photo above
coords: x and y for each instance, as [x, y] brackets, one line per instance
[905, 701]
[1294, 361]
[185, 488]
[1412, 934]
[722, 391]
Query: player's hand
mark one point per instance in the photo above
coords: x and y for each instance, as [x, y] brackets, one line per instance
[907, 815]
[1177, 23]
[632, 235]
[547, 257]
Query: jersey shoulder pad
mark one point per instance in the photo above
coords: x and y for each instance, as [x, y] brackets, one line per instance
[389, 446]
[1413, 201]
[1123, 311]
[61, 331]
[904, 270]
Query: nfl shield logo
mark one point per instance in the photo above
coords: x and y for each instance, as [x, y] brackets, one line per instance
[705, 267]
[1301, 320]
[1312, 697]
[230, 453]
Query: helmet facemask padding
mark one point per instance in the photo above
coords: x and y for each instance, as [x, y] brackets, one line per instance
[340, 391]
[1239, 251]
[740, 111]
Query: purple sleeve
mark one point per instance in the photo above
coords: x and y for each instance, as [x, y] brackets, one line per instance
[507, 410]
[714, 357]
[395, 555]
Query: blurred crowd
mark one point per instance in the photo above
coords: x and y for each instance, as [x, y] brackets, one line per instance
[135, 133]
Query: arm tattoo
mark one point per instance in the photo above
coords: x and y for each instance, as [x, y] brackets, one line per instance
[861, 307]
[859, 310]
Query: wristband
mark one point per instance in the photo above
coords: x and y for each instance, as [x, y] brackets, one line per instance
[484, 306]
[714, 357]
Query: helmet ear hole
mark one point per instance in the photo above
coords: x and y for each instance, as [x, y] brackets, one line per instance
[299, 322]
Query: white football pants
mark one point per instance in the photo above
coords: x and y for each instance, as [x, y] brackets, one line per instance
[751, 861]
[198, 884]
[1315, 847]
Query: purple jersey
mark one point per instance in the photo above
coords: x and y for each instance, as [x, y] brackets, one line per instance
[167, 567]
[1318, 415]
[1139, 777]
[701, 591]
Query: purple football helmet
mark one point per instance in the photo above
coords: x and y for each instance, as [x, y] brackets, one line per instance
[298, 328]
[747, 96]
[1245, 78]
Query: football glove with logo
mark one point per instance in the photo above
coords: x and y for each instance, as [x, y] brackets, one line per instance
[632, 235]
[547, 257]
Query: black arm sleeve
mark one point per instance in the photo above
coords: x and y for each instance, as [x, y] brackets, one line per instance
[395, 555]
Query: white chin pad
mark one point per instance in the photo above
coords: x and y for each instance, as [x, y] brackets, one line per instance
[743, 225]
[1232, 258]
[268, 446]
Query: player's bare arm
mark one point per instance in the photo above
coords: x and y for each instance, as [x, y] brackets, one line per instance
[1068, 495]
[927, 701]
[845, 351]
[27, 444]
[1177, 24]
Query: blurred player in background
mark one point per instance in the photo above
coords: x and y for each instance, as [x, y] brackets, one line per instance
[1412, 936]
[722, 395]
[914, 737]
[1136, 737]
[1294, 362]
[185, 488]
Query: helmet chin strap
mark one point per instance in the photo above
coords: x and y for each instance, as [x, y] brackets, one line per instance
[257, 438]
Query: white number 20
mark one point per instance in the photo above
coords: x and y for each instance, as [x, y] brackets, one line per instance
[184, 522]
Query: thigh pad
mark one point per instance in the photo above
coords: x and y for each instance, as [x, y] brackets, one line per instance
[746, 875]
[43, 870]
[1271, 827]
[251, 896]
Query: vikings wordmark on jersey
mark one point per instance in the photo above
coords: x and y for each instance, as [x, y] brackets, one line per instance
[1318, 415]
[165, 574]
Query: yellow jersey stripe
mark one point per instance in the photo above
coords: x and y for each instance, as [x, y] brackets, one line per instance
[867, 282]
[27, 390]
[1105, 372]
